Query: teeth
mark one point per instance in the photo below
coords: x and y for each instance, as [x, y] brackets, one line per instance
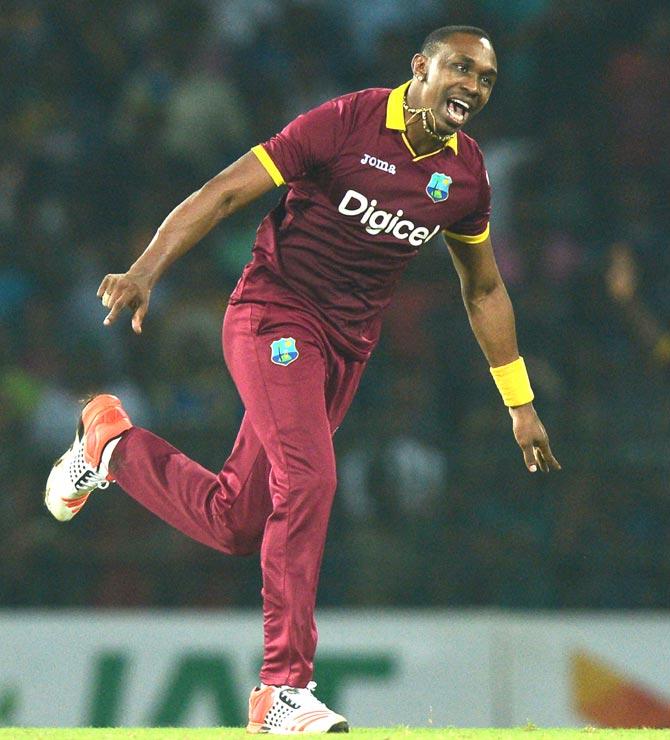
[456, 112]
[461, 102]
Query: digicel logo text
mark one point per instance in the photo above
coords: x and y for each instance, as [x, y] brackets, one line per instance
[378, 221]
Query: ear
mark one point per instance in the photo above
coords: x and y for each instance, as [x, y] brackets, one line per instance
[419, 66]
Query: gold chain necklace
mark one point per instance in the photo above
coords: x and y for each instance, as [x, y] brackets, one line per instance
[423, 112]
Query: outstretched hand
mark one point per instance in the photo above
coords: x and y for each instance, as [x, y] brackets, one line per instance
[531, 436]
[119, 291]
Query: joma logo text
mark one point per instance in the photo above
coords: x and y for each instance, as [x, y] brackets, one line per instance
[378, 163]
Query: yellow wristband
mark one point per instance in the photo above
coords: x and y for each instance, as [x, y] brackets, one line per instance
[513, 383]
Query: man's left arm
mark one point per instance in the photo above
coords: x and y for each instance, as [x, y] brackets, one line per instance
[491, 317]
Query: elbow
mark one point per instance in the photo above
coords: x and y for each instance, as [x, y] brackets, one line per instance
[223, 199]
[226, 206]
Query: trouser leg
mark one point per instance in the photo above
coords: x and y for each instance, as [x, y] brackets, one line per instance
[287, 408]
[225, 511]
[277, 486]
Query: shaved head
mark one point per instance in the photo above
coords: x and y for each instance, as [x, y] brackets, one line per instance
[436, 38]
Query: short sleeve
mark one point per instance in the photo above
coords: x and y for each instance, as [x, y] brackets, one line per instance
[305, 144]
[474, 228]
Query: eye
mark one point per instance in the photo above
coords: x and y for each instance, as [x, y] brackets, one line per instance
[487, 81]
[461, 67]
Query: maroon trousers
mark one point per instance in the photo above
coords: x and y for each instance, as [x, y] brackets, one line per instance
[276, 489]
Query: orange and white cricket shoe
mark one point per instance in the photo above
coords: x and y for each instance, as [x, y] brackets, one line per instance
[83, 468]
[282, 710]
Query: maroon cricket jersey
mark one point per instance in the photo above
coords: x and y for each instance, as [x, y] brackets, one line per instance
[360, 204]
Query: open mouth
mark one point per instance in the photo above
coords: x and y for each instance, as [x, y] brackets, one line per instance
[458, 111]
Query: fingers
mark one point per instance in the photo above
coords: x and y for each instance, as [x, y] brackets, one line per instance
[117, 292]
[539, 457]
[532, 438]
[106, 290]
[117, 305]
[529, 458]
[548, 458]
[101, 289]
[138, 318]
[541, 462]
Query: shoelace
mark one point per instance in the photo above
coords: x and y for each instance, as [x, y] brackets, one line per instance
[83, 477]
[91, 477]
[306, 698]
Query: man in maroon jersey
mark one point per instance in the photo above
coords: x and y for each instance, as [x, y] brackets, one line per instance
[371, 176]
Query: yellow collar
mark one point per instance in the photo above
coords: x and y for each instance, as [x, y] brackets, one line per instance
[395, 118]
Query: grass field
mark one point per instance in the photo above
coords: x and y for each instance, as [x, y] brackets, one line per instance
[530, 732]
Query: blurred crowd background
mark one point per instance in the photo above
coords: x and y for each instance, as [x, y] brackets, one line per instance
[111, 113]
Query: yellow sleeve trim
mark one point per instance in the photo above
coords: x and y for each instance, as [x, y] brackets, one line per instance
[467, 239]
[265, 159]
[513, 383]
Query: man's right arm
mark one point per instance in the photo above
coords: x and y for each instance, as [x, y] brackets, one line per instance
[232, 189]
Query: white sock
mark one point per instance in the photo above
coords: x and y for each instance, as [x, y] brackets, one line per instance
[109, 448]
